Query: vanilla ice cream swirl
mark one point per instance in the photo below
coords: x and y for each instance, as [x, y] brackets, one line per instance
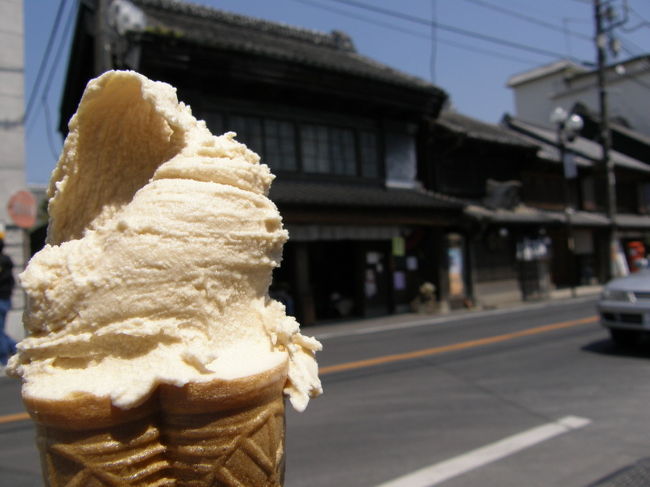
[161, 247]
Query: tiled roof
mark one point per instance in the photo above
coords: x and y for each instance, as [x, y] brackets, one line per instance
[520, 214]
[529, 215]
[587, 151]
[478, 129]
[309, 193]
[550, 152]
[588, 219]
[631, 133]
[616, 125]
[628, 220]
[209, 27]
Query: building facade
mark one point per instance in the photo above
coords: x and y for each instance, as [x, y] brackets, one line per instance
[575, 89]
[12, 145]
[343, 134]
[564, 83]
[381, 190]
[534, 217]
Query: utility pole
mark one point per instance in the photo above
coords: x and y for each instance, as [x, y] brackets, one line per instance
[602, 12]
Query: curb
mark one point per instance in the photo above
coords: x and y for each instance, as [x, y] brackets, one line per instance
[408, 320]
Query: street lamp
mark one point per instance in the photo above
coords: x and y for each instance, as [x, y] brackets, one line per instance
[568, 125]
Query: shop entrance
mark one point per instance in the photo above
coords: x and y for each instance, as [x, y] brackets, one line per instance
[333, 280]
[375, 270]
[333, 275]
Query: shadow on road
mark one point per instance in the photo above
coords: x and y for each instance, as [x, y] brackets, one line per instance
[637, 474]
[641, 349]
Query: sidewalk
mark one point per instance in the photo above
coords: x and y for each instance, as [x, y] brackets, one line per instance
[579, 291]
[345, 327]
[14, 327]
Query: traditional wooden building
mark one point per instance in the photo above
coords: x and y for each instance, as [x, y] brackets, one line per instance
[624, 138]
[488, 167]
[534, 220]
[344, 135]
[588, 223]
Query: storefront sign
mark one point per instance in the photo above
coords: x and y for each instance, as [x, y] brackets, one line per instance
[398, 246]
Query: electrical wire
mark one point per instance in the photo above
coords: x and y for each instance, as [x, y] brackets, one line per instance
[449, 28]
[421, 35]
[44, 59]
[368, 20]
[528, 18]
[527, 62]
[644, 62]
[644, 22]
[434, 40]
[54, 149]
[59, 51]
[629, 46]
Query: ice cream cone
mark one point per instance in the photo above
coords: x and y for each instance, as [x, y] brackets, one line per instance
[226, 433]
[216, 433]
[154, 355]
[84, 441]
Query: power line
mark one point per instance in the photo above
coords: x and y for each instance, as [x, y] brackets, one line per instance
[421, 35]
[379, 23]
[434, 40]
[644, 22]
[449, 28]
[489, 52]
[528, 18]
[54, 149]
[44, 59]
[627, 46]
[59, 51]
[643, 62]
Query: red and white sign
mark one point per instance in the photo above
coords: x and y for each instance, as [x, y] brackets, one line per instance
[22, 208]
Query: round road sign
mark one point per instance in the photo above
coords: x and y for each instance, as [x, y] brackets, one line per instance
[22, 208]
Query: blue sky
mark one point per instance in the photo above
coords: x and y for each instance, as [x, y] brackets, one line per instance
[476, 47]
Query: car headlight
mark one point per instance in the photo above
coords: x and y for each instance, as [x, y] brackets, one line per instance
[617, 295]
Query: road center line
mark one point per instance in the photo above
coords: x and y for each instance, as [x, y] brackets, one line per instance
[11, 418]
[440, 472]
[385, 359]
[359, 364]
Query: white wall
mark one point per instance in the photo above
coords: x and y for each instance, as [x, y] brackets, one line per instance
[628, 95]
[12, 145]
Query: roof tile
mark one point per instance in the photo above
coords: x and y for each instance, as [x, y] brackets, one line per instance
[206, 26]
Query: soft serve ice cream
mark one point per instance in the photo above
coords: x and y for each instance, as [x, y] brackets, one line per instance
[160, 251]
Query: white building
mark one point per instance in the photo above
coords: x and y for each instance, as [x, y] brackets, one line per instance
[12, 145]
[564, 83]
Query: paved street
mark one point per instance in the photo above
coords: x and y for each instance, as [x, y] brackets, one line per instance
[19, 462]
[379, 423]
[535, 396]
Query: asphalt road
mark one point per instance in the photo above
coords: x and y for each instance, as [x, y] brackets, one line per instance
[390, 417]
[483, 397]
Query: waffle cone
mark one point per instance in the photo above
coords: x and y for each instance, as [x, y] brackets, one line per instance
[217, 433]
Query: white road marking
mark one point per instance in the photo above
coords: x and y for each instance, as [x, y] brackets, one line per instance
[439, 472]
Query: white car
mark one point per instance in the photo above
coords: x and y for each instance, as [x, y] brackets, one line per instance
[624, 307]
